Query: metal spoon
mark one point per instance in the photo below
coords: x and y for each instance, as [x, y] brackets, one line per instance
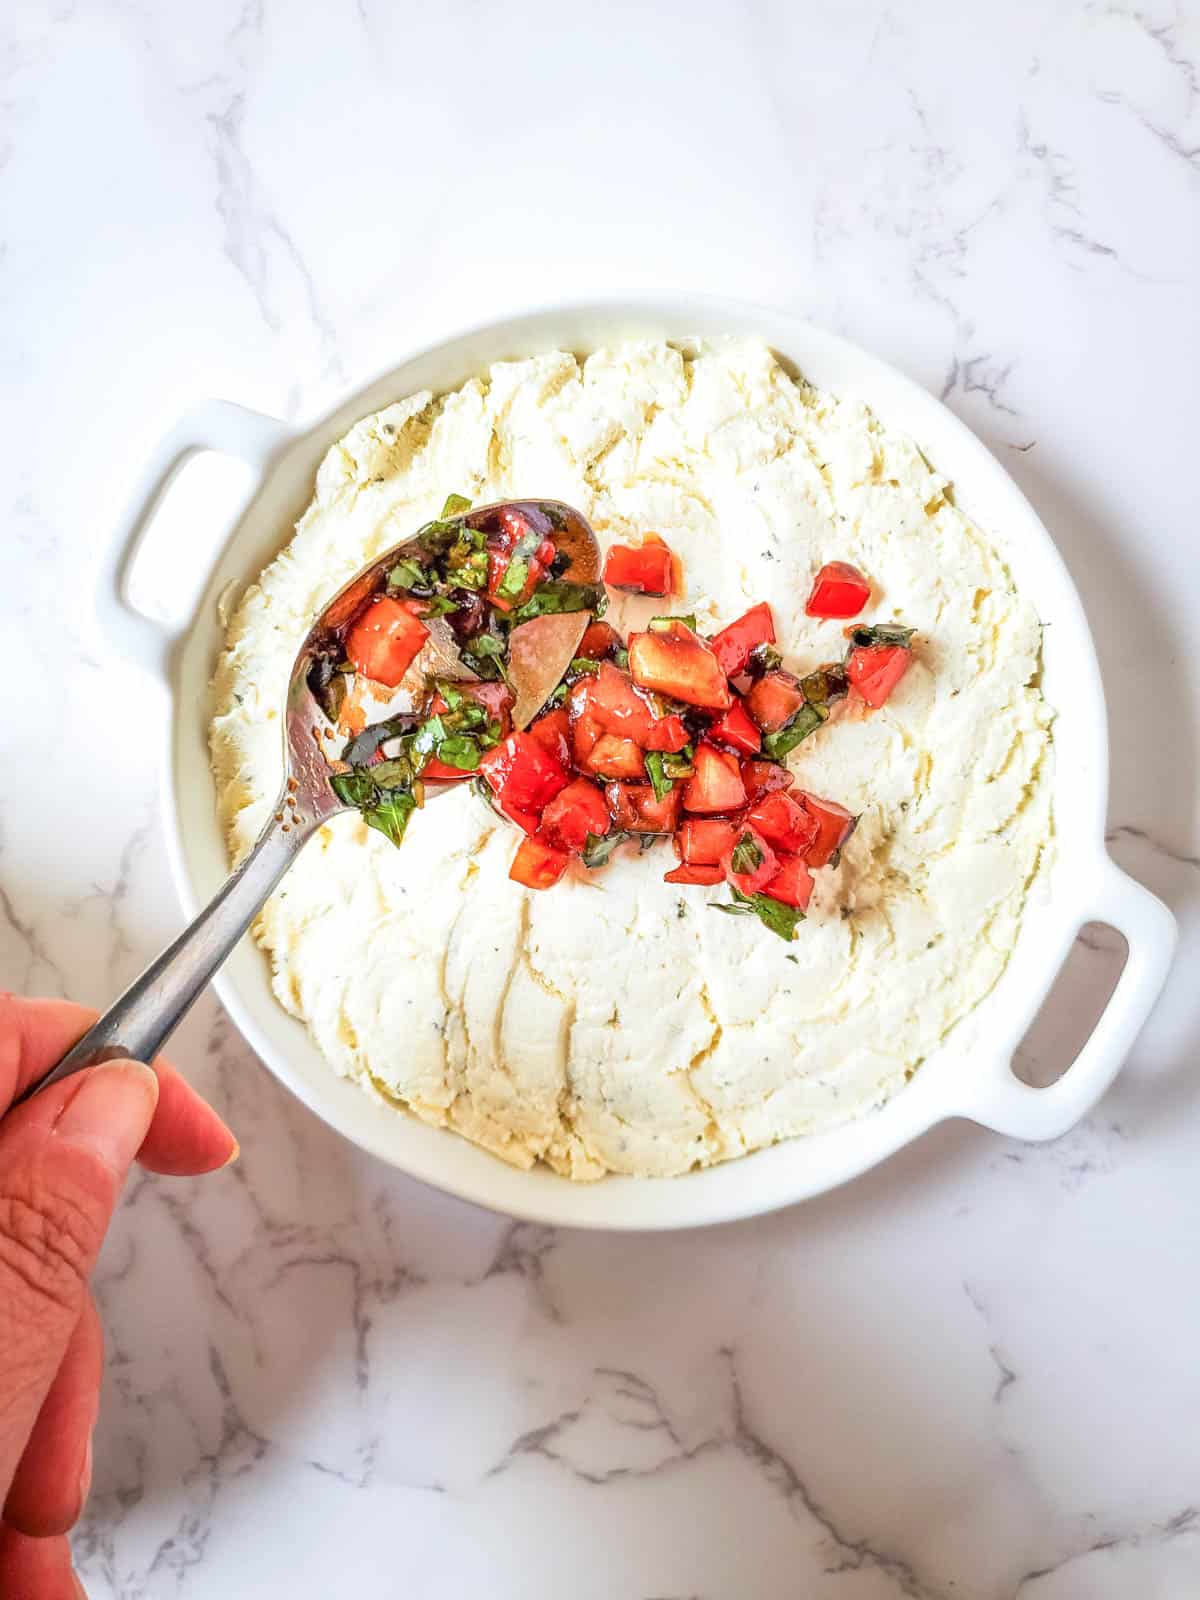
[139, 1023]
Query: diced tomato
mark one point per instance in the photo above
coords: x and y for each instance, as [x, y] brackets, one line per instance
[774, 700]
[385, 639]
[876, 669]
[839, 590]
[687, 874]
[716, 784]
[674, 661]
[599, 640]
[649, 569]
[538, 865]
[621, 708]
[667, 733]
[616, 704]
[522, 774]
[702, 841]
[586, 733]
[784, 822]
[764, 777]
[834, 826]
[749, 879]
[792, 884]
[575, 811]
[552, 730]
[498, 561]
[636, 808]
[614, 757]
[734, 643]
[735, 728]
[438, 772]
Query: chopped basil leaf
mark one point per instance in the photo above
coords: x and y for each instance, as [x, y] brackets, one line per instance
[807, 720]
[461, 751]
[763, 658]
[450, 693]
[825, 684]
[647, 841]
[555, 596]
[656, 767]
[390, 816]
[485, 656]
[663, 624]
[597, 848]
[429, 734]
[440, 606]
[582, 667]
[746, 856]
[455, 505]
[394, 774]
[782, 920]
[679, 763]
[516, 576]
[622, 659]
[558, 698]
[882, 633]
[408, 574]
[354, 788]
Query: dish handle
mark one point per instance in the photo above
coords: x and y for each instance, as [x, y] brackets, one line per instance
[1002, 1102]
[214, 425]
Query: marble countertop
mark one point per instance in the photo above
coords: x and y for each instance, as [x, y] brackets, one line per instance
[970, 1375]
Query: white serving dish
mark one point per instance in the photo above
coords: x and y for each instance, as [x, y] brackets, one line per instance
[969, 1077]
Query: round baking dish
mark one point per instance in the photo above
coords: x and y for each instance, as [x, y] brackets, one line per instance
[970, 1076]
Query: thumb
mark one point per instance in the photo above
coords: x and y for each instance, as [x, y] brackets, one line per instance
[63, 1157]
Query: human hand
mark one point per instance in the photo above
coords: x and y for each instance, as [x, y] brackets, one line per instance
[64, 1156]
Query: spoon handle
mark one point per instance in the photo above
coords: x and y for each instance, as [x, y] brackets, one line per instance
[145, 1016]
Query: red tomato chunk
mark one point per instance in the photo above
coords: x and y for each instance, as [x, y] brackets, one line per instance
[734, 643]
[774, 700]
[764, 777]
[840, 590]
[707, 876]
[716, 784]
[599, 640]
[648, 569]
[702, 841]
[438, 772]
[784, 822]
[834, 825]
[613, 757]
[385, 639]
[673, 661]
[792, 884]
[553, 732]
[876, 669]
[575, 811]
[635, 808]
[737, 730]
[537, 865]
[522, 774]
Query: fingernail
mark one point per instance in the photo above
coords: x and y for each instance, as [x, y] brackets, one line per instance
[80, 1591]
[232, 1156]
[85, 1477]
[111, 1112]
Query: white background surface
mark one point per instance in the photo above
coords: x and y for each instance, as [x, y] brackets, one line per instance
[973, 1373]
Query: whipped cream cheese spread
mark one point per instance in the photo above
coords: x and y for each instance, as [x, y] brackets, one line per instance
[616, 1023]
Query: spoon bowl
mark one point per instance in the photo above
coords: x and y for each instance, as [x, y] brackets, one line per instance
[539, 653]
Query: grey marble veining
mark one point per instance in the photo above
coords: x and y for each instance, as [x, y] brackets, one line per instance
[968, 1376]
